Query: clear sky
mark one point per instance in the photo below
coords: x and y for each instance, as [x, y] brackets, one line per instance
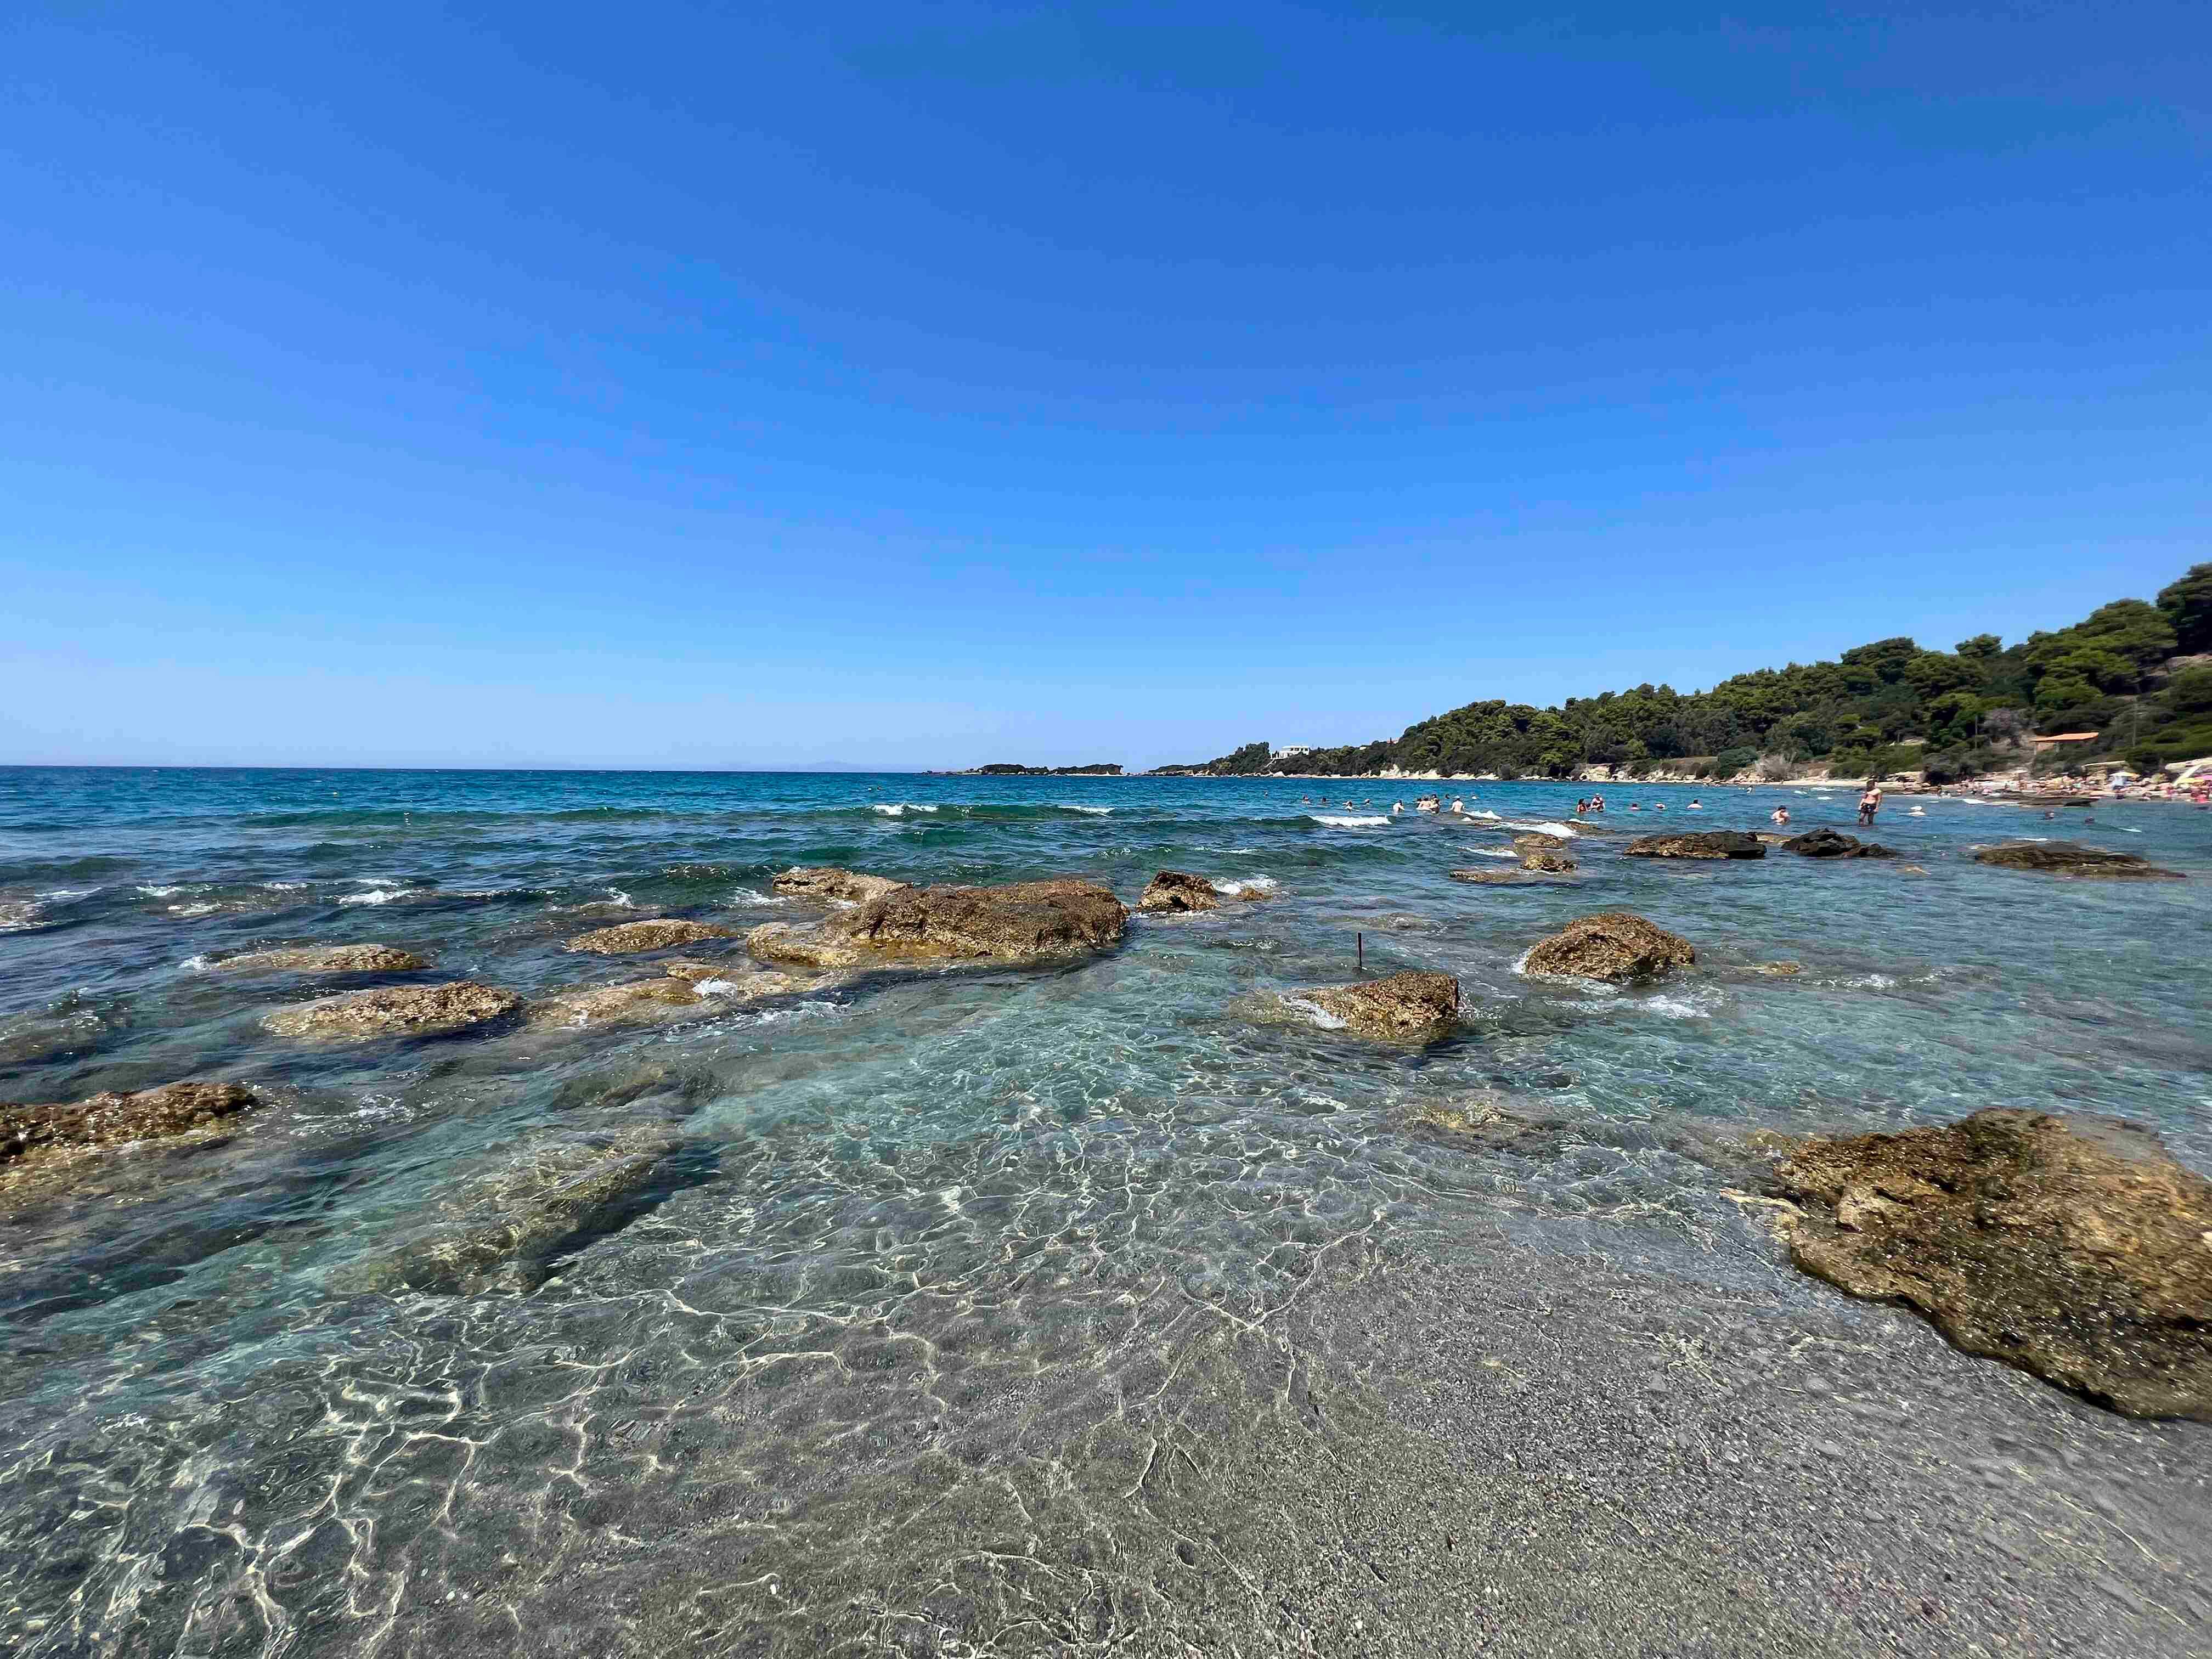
[919, 385]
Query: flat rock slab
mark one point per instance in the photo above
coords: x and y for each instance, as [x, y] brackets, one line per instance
[34, 1134]
[1021, 921]
[661, 933]
[1413, 1006]
[2074, 1247]
[828, 883]
[326, 959]
[1833, 844]
[396, 1011]
[2067, 857]
[698, 987]
[1612, 944]
[1697, 844]
[1519, 875]
[1547, 860]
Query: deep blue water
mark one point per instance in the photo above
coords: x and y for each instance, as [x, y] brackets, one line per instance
[214, 1441]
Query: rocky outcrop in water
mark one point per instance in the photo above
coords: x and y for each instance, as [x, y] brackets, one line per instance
[1775, 969]
[2066, 858]
[2074, 1247]
[625, 938]
[1413, 1006]
[1547, 860]
[830, 885]
[325, 959]
[1610, 945]
[395, 1011]
[503, 1234]
[1697, 844]
[1833, 844]
[1499, 876]
[1022, 921]
[686, 987]
[35, 1134]
[1175, 890]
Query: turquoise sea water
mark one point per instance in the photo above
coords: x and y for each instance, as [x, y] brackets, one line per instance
[885, 1208]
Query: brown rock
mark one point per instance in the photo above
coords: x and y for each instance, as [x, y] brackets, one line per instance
[2066, 858]
[1022, 921]
[1697, 844]
[658, 934]
[1612, 944]
[1546, 861]
[1834, 844]
[828, 882]
[1172, 890]
[1538, 841]
[1775, 969]
[1492, 877]
[644, 1001]
[32, 1133]
[399, 1009]
[325, 959]
[1416, 1005]
[2073, 1247]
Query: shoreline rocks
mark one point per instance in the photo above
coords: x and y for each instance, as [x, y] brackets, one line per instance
[394, 1010]
[1834, 844]
[2067, 857]
[2076, 1248]
[1020, 921]
[34, 1136]
[832, 886]
[1612, 944]
[1697, 844]
[682, 989]
[1177, 891]
[324, 959]
[659, 933]
[1417, 1005]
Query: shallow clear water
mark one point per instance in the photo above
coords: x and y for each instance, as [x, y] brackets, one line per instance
[879, 1214]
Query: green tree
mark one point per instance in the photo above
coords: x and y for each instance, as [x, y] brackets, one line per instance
[1982, 648]
[2063, 692]
[2189, 692]
[2187, 605]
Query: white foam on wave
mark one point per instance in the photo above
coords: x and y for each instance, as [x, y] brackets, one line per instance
[1315, 1013]
[1095, 811]
[714, 987]
[170, 892]
[1247, 885]
[1486, 814]
[16, 913]
[1546, 826]
[382, 895]
[899, 809]
[62, 895]
[204, 909]
[1868, 982]
[285, 886]
[1673, 1007]
[754, 896]
[198, 964]
[1493, 851]
[1376, 821]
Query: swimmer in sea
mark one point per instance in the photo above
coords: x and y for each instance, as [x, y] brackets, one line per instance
[1780, 815]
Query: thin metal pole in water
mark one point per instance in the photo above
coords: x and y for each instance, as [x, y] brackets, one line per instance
[1359, 944]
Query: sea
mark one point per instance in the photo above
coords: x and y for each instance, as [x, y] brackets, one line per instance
[921, 1253]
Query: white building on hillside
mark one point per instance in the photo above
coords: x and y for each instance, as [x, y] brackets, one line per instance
[1291, 751]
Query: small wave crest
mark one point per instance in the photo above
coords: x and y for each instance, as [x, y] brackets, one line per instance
[1545, 826]
[899, 809]
[1246, 885]
[1360, 821]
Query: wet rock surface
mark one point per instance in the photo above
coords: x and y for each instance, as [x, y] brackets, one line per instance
[504, 1233]
[31, 1134]
[686, 987]
[1175, 890]
[2067, 857]
[1021, 921]
[833, 885]
[403, 1010]
[1612, 944]
[1697, 844]
[1516, 875]
[325, 959]
[1414, 1006]
[2074, 1247]
[661, 933]
[1547, 860]
[1834, 844]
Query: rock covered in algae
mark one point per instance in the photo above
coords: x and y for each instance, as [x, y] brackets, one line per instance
[1418, 1005]
[2075, 1248]
[1612, 944]
[34, 1134]
[829, 883]
[1697, 844]
[1176, 890]
[1021, 921]
[394, 1010]
[2067, 857]
[659, 933]
[325, 959]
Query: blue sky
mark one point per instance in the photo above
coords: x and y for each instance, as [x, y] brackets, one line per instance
[921, 385]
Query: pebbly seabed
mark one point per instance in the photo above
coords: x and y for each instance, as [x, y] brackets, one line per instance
[1123, 1303]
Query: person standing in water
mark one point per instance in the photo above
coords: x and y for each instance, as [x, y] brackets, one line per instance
[1780, 815]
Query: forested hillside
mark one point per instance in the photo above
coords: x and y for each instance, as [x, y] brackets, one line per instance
[2123, 671]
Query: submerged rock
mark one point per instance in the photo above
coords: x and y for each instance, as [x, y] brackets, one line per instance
[1482, 1122]
[1022, 921]
[325, 959]
[1417, 1004]
[1497, 875]
[2073, 1247]
[1775, 969]
[1612, 944]
[2067, 857]
[33, 1134]
[399, 1009]
[687, 986]
[1697, 844]
[657, 934]
[504, 1233]
[829, 883]
[1547, 860]
[1173, 890]
[1833, 844]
